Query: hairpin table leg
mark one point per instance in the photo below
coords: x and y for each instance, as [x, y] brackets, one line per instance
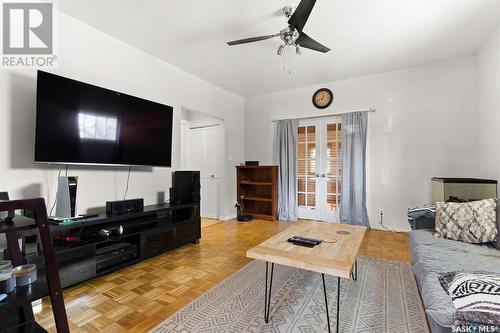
[267, 298]
[354, 273]
[326, 303]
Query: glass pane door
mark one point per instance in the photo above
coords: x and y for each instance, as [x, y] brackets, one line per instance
[306, 170]
[333, 169]
[319, 168]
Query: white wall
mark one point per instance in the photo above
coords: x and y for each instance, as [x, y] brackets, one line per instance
[424, 127]
[489, 106]
[91, 56]
[199, 119]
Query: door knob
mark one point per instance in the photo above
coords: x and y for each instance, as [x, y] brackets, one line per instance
[317, 175]
[323, 175]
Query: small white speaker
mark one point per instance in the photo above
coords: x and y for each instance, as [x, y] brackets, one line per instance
[66, 196]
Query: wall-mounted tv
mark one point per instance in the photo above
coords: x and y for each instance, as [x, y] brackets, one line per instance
[78, 123]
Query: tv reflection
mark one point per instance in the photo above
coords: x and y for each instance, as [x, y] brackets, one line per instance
[97, 127]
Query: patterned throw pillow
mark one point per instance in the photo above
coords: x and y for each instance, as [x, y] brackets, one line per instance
[476, 296]
[470, 222]
[497, 242]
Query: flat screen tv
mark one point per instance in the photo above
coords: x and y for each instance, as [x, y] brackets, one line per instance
[78, 123]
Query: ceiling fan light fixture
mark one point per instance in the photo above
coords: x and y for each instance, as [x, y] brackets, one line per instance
[281, 49]
[297, 49]
[293, 34]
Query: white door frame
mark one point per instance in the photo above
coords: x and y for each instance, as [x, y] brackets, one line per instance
[219, 161]
[222, 171]
[320, 211]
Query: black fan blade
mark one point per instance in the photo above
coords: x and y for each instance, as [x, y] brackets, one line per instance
[301, 14]
[309, 43]
[251, 39]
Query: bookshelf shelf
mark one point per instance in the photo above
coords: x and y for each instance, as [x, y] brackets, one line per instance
[258, 191]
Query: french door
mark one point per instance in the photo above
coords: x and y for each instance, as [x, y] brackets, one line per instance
[319, 168]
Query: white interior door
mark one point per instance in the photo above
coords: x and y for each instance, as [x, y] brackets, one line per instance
[319, 173]
[206, 156]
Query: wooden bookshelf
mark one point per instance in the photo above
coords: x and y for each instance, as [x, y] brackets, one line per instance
[16, 310]
[258, 191]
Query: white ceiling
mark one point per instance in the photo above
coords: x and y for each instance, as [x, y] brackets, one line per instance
[365, 36]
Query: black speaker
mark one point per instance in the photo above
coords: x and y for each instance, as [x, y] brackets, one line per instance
[124, 206]
[186, 187]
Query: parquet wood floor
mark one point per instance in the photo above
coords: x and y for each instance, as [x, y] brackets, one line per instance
[139, 297]
[208, 222]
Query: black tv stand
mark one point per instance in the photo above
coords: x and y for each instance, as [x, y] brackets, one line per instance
[153, 231]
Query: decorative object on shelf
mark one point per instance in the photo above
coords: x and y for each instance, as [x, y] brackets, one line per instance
[5, 264]
[322, 98]
[258, 191]
[25, 274]
[7, 281]
[252, 163]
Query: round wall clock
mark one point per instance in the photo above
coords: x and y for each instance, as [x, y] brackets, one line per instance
[322, 98]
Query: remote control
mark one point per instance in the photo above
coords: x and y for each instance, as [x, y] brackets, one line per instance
[303, 241]
[300, 238]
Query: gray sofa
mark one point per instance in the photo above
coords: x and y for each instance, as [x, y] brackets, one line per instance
[433, 256]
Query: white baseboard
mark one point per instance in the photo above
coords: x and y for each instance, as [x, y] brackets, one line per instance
[227, 217]
[398, 229]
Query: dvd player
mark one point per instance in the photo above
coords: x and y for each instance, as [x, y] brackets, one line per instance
[115, 254]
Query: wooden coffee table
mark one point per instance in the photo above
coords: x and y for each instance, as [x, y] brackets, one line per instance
[335, 256]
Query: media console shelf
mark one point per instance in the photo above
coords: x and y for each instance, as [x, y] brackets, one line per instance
[153, 231]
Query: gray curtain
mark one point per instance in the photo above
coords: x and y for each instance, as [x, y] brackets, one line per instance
[353, 203]
[285, 154]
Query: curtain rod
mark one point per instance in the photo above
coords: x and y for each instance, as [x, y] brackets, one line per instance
[326, 115]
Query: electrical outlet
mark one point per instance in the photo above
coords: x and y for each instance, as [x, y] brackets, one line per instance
[381, 218]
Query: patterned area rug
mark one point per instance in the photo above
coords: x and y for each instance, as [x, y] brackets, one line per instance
[385, 298]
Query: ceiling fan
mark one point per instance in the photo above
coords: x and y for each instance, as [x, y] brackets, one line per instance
[293, 34]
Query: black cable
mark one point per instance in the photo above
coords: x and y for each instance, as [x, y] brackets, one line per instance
[128, 180]
[55, 199]
[242, 205]
[388, 229]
